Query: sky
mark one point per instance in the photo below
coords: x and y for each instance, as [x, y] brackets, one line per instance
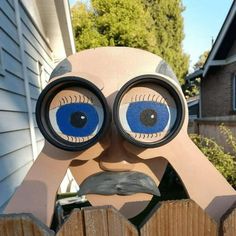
[202, 22]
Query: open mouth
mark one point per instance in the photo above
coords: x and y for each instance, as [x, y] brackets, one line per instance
[120, 183]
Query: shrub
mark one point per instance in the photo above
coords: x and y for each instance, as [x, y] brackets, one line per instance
[230, 138]
[224, 162]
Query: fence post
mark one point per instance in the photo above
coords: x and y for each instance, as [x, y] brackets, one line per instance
[228, 222]
[23, 225]
[182, 217]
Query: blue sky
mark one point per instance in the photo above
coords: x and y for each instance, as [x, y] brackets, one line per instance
[202, 22]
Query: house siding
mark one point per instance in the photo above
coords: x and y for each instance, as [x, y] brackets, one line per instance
[214, 101]
[16, 140]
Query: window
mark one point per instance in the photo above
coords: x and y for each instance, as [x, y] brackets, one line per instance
[2, 69]
[234, 93]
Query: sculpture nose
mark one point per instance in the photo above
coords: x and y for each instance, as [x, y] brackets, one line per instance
[116, 158]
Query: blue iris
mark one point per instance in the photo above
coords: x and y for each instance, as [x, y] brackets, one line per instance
[147, 117]
[77, 119]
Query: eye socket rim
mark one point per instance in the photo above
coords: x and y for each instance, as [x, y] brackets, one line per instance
[175, 93]
[42, 112]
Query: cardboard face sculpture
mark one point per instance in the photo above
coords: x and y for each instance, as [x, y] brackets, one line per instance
[116, 116]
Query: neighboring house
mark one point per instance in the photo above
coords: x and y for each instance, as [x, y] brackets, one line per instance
[193, 110]
[218, 82]
[34, 36]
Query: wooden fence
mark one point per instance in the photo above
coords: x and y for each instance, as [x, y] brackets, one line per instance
[170, 218]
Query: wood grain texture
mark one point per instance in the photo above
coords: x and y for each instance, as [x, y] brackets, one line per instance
[118, 225]
[22, 225]
[95, 221]
[228, 222]
[183, 218]
[170, 218]
[74, 226]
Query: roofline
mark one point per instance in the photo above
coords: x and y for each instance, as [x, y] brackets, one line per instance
[64, 17]
[196, 74]
[220, 37]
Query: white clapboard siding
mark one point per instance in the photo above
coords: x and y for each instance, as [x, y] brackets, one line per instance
[12, 182]
[12, 102]
[11, 121]
[11, 28]
[23, 49]
[38, 40]
[40, 145]
[8, 10]
[11, 162]
[10, 45]
[11, 141]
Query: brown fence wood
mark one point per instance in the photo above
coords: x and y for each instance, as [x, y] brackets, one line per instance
[228, 222]
[22, 225]
[170, 218]
[73, 226]
[174, 218]
[93, 221]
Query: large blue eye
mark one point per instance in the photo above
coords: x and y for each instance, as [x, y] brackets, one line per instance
[77, 119]
[147, 117]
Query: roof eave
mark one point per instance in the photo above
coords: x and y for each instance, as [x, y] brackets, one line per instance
[210, 60]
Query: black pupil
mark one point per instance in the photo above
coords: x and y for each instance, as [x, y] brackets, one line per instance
[78, 119]
[148, 117]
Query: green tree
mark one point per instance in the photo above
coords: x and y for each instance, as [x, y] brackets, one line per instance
[224, 162]
[168, 25]
[153, 25]
[201, 60]
[113, 23]
[192, 89]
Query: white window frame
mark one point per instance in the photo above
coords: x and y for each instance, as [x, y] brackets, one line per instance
[2, 67]
[234, 93]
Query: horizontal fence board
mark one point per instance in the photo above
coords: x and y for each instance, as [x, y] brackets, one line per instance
[15, 160]
[12, 102]
[7, 8]
[11, 141]
[11, 121]
[22, 225]
[9, 185]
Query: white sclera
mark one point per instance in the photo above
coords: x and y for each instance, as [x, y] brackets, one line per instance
[87, 98]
